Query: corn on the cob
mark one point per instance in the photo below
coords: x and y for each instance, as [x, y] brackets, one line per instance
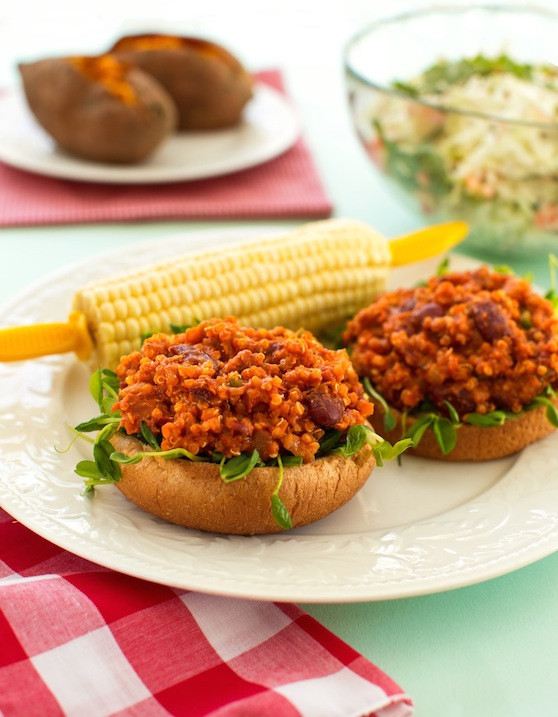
[315, 275]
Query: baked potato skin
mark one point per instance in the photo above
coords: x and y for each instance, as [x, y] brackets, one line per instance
[88, 120]
[208, 85]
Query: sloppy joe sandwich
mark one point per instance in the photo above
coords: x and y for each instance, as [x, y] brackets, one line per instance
[234, 430]
[465, 365]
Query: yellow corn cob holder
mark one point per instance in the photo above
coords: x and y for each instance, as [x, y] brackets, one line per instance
[312, 276]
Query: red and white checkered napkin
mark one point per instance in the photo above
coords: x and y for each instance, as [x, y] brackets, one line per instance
[77, 639]
[285, 187]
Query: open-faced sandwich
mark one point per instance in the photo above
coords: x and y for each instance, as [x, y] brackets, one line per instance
[234, 430]
[465, 365]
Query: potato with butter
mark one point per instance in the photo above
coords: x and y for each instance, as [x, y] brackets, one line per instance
[208, 84]
[99, 108]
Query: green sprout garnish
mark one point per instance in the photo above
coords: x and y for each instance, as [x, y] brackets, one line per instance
[238, 466]
[487, 420]
[551, 411]
[552, 294]
[389, 419]
[443, 267]
[278, 509]
[360, 434]
[444, 431]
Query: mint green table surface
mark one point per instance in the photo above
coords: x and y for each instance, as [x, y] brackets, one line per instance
[488, 650]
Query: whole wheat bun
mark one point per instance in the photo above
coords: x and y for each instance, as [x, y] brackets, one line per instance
[474, 443]
[192, 494]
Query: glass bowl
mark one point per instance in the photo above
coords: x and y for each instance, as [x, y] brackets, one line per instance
[456, 157]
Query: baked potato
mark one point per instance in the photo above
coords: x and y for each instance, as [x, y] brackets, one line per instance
[99, 108]
[209, 85]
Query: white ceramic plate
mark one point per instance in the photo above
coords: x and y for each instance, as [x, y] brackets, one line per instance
[414, 529]
[270, 126]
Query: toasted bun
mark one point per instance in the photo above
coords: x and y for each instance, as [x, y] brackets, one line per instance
[193, 494]
[474, 443]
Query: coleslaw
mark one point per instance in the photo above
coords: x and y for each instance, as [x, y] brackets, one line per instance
[482, 141]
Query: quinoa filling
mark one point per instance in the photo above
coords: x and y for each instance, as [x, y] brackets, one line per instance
[222, 388]
[480, 341]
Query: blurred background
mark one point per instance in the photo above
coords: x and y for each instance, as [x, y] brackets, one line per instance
[303, 38]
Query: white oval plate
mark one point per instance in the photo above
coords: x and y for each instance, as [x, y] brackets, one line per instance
[269, 127]
[414, 529]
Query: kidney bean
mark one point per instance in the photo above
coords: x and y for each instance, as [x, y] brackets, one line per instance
[241, 428]
[431, 309]
[325, 410]
[262, 442]
[274, 346]
[489, 320]
[201, 394]
[191, 354]
[407, 305]
[462, 400]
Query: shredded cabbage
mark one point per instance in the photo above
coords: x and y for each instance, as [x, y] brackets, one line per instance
[492, 170]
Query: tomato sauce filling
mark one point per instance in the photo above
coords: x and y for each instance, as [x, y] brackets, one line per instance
[220, 387]
[481, 340]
